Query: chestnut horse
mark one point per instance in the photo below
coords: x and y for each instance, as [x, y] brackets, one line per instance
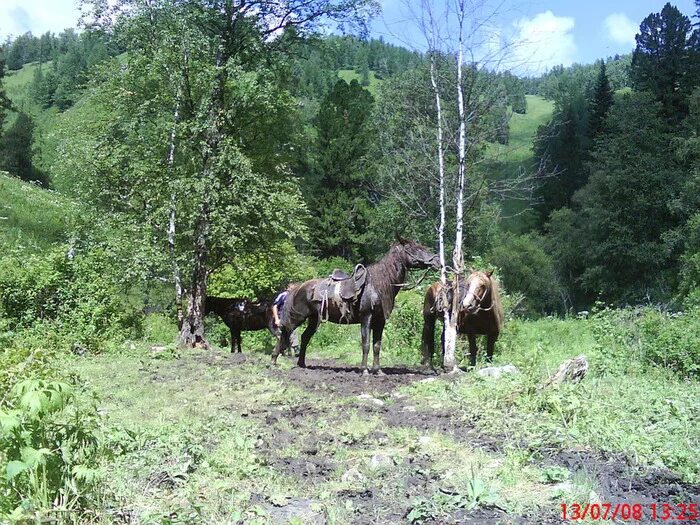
[370, 306]
[480, 313]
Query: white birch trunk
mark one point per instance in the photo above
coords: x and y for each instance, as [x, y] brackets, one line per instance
[172, 218]
[448, 340]
[449, 361]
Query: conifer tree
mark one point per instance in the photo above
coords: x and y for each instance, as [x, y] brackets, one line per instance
[601, 103]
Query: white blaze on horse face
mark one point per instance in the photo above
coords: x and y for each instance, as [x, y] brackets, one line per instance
[241, 307]
[470, 293]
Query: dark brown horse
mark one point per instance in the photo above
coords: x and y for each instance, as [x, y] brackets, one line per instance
[369, 303]
[242, 315]
[480, 313]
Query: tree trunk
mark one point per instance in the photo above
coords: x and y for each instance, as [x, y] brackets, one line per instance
[172, 219]
[450, 339]
[192, 331]
[450, 363]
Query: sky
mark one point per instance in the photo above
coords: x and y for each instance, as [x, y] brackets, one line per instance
[539, 33]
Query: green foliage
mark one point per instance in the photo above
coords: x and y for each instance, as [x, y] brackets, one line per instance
[665, 61]
[628, 254]
[526, 267]
[650, 337]
[16, 151]
[601, 103]
[49, 452]
[75, 300]
[262, 273]
[338, 190]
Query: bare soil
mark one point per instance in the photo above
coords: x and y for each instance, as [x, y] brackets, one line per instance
[619, 480]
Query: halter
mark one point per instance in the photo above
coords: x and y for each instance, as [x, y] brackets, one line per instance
[478, 307]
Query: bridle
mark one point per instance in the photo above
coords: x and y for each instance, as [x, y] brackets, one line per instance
[479, 300]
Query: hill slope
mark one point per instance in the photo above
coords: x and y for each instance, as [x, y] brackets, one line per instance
[31, 218]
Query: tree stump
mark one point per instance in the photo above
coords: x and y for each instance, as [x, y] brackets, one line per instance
[572, 370]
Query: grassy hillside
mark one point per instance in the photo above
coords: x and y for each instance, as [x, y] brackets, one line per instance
[31, 218]
[17, 86]
[350, 74]
[517, 156]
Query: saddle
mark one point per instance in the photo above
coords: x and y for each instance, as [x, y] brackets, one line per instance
[341, 286]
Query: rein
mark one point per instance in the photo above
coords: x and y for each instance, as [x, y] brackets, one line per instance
[411, 286]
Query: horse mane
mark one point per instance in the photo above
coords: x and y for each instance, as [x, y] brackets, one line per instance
[496, 302]
[381, 273]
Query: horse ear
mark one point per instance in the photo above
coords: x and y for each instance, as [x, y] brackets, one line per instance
[489, 274]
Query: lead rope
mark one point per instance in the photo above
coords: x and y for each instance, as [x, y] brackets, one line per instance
[324, 304]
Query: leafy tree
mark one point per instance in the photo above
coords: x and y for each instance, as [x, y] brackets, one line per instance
[665, 59]
[194, 133]
[600, 104]
[339, 189]
[16, 149]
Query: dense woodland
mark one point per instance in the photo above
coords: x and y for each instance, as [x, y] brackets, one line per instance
[186, 151]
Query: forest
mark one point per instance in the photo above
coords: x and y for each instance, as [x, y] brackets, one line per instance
[160, 155]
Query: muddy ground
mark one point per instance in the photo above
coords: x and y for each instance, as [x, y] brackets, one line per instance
[618, 479]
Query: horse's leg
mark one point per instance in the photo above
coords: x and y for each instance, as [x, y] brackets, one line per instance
[428, 339]
[294, 342]
[233, 339]
[490, 345]
[472, 349]
[377, 330]
[364, 331]
[240, 341]
[282, 344]
[311, 328]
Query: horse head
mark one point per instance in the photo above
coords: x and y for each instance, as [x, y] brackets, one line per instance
[478, 287]
[415, 255]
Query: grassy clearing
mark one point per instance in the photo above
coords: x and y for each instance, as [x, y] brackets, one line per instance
[31, 218]
[213, 438]
[350, 74]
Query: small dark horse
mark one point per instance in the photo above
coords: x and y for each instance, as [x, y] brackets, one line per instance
[371, 307]
[480, 313]
[242, 315]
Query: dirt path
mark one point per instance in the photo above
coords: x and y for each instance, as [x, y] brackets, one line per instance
[372, 397]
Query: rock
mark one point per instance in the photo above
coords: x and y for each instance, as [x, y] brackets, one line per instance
[497, 371]
[380, 461]
[300, 510]
[158, 349]
[352, 476]
[427, 380]
[564, 486]
[408, 408]
[367, 397]
[572, 370]
[424, 440]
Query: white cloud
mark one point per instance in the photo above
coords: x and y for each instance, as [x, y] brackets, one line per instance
[620, 29]
[543, 41]
[37, 16]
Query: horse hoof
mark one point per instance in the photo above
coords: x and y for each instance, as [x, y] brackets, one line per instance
[378, 372]
[365, 372]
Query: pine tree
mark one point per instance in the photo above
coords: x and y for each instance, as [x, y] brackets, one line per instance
[601, 103]
[665, 59]
[4, 102]
[16, 150]
[337, 192]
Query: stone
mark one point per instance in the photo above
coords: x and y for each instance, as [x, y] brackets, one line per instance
[497, 371]
[381, 461]
[306, 511]
[352, 476]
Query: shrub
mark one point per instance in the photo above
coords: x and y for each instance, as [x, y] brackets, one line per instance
[49, 444]
[637, 337]
[81, 297]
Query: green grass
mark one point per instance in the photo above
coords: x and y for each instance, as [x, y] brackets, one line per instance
[507, 161]
[17, 87]
[31, 218]
[350, 74]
